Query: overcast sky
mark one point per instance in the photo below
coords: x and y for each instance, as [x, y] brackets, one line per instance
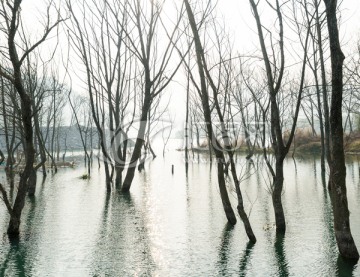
[240, 23]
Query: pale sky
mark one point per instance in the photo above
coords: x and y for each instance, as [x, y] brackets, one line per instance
[241, 26]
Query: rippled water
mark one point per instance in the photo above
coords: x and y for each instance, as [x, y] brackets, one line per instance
[171, 225]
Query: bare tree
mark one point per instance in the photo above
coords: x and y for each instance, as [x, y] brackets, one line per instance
[316, 61]
[274, 77]
[111, 75]
[11, 18]
[206, 83]
[337, 178]
[82, 116]
[156, 72]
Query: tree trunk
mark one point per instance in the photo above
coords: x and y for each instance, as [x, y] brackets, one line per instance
[138, 144]
[151, 150]
[240, 206]
[187, 126]
[14, 224]
[118, 177]
[108, 180]
[276, 196]
[197, 135]
[32, 183]
[213, 143]
[321, 123]
[142, 159]
[41, 145]
[26, 118]
[229, 212]
[324, 84]
[337, 182]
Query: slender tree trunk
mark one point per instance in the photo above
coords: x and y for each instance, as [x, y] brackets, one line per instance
[32, 184]
[151, 150]
[322, 134]
[245, 126]
[324, 85]
[9, 144]
[197, 136]
[187, 126]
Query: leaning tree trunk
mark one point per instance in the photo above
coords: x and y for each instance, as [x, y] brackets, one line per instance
[337, 179]
[229, 212]
[240, 206]
[139, 142]
[213, 143]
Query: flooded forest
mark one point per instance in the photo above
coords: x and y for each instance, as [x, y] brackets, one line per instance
[179, 138]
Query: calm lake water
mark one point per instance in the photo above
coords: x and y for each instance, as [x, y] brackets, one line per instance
[171, 225]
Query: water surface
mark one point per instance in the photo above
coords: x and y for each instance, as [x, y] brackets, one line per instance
[173, 225]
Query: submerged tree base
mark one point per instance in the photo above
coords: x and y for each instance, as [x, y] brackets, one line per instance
[346, 245]
[84, 177]
[13, 228]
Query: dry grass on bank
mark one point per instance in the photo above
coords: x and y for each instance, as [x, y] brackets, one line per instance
[304, 143]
